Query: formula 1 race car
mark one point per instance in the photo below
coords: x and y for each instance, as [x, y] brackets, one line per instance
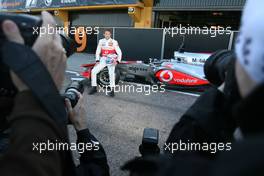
[181, 72]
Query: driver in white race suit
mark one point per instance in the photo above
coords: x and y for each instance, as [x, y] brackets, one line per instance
[108, 54]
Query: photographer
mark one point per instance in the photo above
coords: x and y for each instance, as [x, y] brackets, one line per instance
[209, 119]
[235, 104]
[92, 162]
[30, 123]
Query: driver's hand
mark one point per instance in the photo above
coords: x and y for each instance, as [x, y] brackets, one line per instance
[78, 115]
[115, 62]
[96, 63]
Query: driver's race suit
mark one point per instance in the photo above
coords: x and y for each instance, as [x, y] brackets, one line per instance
[105, 49]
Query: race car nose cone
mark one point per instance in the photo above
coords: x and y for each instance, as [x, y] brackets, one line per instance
[166, 76]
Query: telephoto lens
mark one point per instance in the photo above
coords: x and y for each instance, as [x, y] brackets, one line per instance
[71, 92]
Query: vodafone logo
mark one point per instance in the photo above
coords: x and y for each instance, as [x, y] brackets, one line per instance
[187, 81]
[166, 75]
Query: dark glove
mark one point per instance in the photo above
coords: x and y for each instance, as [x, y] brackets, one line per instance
[164, 165]
[143, 166]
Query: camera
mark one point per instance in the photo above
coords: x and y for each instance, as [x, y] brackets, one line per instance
[220, 68]
[150, 142]
[71, 92]
[27, 25]
[29, 63]
[217, 65]
[149, 149]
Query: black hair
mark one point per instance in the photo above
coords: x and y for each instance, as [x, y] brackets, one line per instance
[109, 30]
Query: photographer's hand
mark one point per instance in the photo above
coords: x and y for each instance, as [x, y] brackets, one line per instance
[92, 162]
[77, 115]
[12, 33]
[49, 48]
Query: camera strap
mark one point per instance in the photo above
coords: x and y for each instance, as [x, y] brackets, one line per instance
[29, 68]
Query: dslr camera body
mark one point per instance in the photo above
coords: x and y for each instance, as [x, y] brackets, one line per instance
[25, 23]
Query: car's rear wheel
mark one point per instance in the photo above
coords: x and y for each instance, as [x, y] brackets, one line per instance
[103, 77]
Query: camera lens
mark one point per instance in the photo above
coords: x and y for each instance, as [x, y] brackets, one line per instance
[72, 96]
[72, 91]
[216, 65]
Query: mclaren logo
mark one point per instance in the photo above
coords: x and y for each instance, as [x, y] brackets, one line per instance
[166, 75]
[48, 2]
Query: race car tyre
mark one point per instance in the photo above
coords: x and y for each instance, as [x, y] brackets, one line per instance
[103, 77]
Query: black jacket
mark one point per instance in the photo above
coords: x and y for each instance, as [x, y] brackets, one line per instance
[246, 157]
[207, 120]
[208, 123]
[29, 124]
[92, 162]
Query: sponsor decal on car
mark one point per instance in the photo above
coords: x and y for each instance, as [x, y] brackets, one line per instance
[166, 75]
[136, 69]
[173, 77]
[48, 3]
